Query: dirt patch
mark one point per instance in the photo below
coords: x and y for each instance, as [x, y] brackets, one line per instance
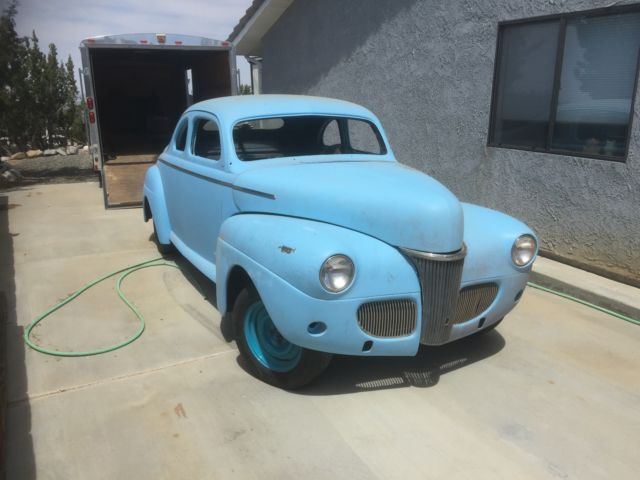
[55, 169]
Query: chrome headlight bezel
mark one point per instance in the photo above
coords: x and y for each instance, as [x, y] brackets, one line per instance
[524, 250]
[332, 268]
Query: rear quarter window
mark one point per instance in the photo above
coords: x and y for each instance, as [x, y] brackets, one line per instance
[181, 137]
[363, 137]
[206, 139]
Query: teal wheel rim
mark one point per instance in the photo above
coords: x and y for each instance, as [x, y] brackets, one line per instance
[266, 343]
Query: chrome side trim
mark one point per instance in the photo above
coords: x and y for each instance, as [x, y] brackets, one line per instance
[250, 191]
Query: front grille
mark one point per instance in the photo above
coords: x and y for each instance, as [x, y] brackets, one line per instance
[474, 300]
[440, 276]
[388, 318]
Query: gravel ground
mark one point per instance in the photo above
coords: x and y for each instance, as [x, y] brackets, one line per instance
[55, 169]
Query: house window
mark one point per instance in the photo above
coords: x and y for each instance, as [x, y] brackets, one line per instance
[566, 84]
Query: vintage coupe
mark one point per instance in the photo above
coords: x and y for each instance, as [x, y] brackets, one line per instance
[320, 242]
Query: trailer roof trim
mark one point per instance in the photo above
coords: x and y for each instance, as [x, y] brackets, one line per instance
[175, 40]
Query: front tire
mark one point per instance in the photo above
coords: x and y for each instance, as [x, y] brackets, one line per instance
[272, 358]
[163, 248]
[491, 328]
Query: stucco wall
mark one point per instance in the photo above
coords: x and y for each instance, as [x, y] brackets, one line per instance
[426, 69]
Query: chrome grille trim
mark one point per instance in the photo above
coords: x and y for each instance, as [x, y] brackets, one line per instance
[388, 318]
[438, 257]
[440, 275]
[473, 300]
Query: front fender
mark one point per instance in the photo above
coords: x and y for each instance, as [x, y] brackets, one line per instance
[294, 249]
[154, 194]
[283, 256]
[489, 236]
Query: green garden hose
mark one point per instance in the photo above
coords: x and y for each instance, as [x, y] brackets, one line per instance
[585, 303]
[156, 262]
[160, 262]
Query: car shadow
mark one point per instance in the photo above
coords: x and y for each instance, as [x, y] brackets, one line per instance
[353, 374]
[205, 287]
[15, 434]
[347, 374]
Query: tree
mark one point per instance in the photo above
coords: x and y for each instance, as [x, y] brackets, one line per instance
[34, 94]
[39, 104]
[245, 89]
[73, 110]
[53, 96]
[11, 74]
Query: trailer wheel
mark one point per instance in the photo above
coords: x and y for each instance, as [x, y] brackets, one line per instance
[270, 356]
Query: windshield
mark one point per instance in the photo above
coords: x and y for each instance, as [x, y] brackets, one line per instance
[303, 135]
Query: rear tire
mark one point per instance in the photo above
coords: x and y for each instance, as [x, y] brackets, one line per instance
[270, 356]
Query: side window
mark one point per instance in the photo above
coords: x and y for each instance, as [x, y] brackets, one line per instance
[206, 139]
[181, 137]
[363, 137]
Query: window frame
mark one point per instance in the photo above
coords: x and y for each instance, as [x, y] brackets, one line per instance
[182, 127]
[324, 130]
[562, 27]
[192, 138]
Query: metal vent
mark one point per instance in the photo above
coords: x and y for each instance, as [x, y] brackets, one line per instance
[388, 318]
[474, 300]
[440, 275]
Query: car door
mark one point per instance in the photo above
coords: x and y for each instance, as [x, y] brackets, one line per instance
[172, 178]
[205, 184]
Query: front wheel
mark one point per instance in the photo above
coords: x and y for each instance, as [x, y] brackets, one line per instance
[272, 357]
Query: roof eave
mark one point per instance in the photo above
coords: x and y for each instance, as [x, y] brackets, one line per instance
[258, 20]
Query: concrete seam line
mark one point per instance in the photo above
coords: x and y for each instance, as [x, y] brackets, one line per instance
[95, 383]
[79, 257]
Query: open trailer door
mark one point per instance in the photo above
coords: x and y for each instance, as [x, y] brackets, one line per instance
[136, 88]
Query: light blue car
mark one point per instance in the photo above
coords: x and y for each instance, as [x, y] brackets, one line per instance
[320, 242]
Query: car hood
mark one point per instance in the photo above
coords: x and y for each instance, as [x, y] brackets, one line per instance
[386, 200]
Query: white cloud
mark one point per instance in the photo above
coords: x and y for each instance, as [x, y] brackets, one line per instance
[67, 22]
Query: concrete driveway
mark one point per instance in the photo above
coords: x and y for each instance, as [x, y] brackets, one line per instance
[554, 393]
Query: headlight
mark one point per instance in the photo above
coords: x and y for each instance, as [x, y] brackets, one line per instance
[523, 250]
[336, 273]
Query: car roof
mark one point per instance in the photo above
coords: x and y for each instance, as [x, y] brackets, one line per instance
[231, 109]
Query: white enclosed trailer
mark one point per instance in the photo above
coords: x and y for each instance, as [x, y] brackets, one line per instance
[136, 86]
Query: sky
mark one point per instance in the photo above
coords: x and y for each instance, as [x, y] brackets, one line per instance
[67, 22]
